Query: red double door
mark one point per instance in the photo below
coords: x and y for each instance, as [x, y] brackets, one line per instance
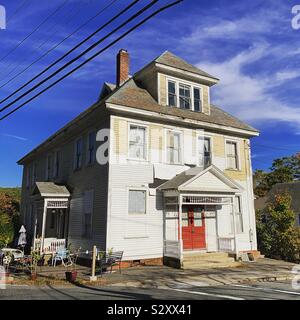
[193, 227]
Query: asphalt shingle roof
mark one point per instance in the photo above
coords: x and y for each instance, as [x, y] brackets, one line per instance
[131, 95]
[171, 60]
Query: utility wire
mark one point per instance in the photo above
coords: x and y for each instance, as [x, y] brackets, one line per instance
[35, 30]
[274, 148]
[95, 55]
[66, 54]
[17, 10]
[16, 64]
[57, 44]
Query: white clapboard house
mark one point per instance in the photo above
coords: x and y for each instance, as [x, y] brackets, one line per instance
[177, 182]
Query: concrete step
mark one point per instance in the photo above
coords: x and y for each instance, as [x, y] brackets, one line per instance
[211, 264]
[213, 256]
[203, 262]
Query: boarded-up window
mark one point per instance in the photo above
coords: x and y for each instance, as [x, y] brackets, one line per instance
[173, 147]
[137, 202]
[88, 213]
[231, 155]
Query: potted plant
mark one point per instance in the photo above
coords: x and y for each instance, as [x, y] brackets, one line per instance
[71, 275]
[35, 260]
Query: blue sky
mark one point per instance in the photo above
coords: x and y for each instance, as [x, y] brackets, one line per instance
[249, 45]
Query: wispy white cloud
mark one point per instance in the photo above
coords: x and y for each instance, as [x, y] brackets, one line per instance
[250, 97]
[14, 137]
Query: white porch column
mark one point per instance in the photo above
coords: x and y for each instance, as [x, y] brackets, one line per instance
[234, 227]
[44, 225]
[180, 228]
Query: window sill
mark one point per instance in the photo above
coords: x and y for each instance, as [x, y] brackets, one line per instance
[234, 170]
[138, 160]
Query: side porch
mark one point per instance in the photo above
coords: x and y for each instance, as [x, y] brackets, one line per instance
[51, 217]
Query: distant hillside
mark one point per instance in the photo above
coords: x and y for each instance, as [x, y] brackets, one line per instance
[13, 192]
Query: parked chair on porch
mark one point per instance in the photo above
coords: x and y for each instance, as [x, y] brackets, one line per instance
[62, 255]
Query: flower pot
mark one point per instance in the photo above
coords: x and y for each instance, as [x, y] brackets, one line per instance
[33, 276]
[71, 276]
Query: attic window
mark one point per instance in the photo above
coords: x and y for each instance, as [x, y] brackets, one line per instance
[184, 95]
[172, 93]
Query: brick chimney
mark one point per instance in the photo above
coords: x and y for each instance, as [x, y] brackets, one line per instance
[122, 66]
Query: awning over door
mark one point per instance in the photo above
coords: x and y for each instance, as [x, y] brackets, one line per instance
[50, 190]
[196, 179]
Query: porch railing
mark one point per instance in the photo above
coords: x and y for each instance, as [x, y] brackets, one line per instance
[172, 249]
[51, 245]
[226, 244]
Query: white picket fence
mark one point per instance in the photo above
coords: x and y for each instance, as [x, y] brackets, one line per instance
[51, 245]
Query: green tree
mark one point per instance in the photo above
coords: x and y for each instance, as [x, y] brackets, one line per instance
[6, 229]
[283, 170]
[276, 232]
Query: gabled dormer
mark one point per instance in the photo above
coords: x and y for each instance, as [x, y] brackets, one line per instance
[175, 83]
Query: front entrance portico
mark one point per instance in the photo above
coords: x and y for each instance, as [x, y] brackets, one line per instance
[199, 213]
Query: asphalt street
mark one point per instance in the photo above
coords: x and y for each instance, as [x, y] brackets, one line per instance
[258, 291]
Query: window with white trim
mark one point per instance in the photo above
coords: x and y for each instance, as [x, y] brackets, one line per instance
[88, 213]
[231, 155]
[56, 167]
[28, 176]
[172, 96]
[137, 142]
[173, 147]
[91, 150]
[184, 96]
[48, 167]
[204, 151]
[137, 202]
[197, 99]
[34, 173]
[78, 154]
[239, 215]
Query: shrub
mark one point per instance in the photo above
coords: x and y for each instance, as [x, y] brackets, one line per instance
[277, 235]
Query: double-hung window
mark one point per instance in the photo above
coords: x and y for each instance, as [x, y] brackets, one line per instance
[239, 215]
[88, 214]
[172, 94]
[49, 167]
[231, 155]
[78, 154]
[184, 96]
[56, 164]
[91, 154]
[173, 147]
[137, 202]
[204, 151]
[137, 142]
[197, 99]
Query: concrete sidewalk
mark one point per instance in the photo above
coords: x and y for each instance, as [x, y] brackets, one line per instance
[161, 276]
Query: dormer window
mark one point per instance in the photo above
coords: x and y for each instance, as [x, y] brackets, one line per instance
[184, 95]
[172, 93]
[197, 99]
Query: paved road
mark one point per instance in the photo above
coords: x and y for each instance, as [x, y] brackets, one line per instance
[262, 291]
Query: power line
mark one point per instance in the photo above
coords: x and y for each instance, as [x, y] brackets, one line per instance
[16, 64]
[35, 30]
[95, 55]
[56, 46]
[68, 53]
[17, 10]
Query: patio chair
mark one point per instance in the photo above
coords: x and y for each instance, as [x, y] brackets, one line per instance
[62, 255]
